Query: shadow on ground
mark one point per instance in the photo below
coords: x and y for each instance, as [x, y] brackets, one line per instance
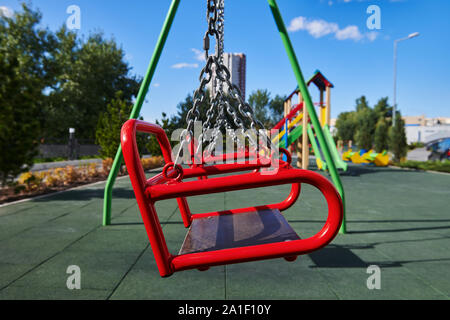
[88, 194]
[359, 170]
[336, 256]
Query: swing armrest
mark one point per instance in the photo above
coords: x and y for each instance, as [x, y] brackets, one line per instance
[131, 152]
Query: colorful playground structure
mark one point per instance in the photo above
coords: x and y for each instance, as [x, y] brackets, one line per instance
[297, 132]
[367, 157]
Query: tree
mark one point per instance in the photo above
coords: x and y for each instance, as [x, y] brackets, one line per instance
[87, 76]
[397, 138]
[346, 126]
[110, 124]
[276, 107]
[179, 120]
[259, 100]
[362, 104]
[51, 82]
[359, 125]
[19, 119]
[383, 109]
[169, 126]
[23, 76]
[366, 121]
[381, 137]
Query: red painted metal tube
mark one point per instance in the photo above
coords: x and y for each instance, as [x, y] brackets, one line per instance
[137, 177]
[282, 206]
[206, 171]
[229, 183]
[229, 157]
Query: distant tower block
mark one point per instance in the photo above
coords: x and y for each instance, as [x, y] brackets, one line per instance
[237, 65]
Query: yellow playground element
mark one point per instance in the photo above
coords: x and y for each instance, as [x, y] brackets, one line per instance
[320, 164]
[346, 156]
[358, 158]
[378, 159]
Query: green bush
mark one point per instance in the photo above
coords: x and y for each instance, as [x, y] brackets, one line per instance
[441, 166]
[381, 138]
[416, 145]
[110, 124]
[22, 79]
[397, 139]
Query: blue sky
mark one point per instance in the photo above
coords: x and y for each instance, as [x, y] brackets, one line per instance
[329, 35]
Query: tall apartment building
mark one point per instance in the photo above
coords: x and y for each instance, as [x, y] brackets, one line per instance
[237, 64]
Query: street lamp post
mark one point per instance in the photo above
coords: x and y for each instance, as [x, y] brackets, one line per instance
[72, 143]
[394, 109]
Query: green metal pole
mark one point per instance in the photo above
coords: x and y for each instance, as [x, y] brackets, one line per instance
[137, 107]
[307, 99]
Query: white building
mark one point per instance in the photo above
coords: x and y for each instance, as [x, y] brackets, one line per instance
[422, 129]
[425, 133]
[237, 65]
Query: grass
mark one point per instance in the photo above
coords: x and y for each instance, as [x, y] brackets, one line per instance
[441, 166]
[57, 159]
[416, 145]
[45, 160]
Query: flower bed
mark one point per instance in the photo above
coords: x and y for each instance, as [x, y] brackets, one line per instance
[31, 184]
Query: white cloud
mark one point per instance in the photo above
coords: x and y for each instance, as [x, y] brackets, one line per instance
[184, 65]
[350, 32]
[156, 85]
[297, 24]
[199, 55]
[319, 28]
[5, 11]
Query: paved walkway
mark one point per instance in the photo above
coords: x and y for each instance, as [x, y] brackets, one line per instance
[398, 220]
[419, 154]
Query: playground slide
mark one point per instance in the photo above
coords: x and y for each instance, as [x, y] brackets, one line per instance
[340, 164]
[322, 165]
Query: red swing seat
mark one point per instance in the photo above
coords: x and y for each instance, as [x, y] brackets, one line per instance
[223, 237]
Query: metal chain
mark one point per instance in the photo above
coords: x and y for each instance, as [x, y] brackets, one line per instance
[216, 73]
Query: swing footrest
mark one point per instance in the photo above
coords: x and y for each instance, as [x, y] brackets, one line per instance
[236, 230]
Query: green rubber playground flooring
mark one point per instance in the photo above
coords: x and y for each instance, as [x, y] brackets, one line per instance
[397, 219]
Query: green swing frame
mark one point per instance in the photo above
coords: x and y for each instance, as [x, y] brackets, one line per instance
[118, 160]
